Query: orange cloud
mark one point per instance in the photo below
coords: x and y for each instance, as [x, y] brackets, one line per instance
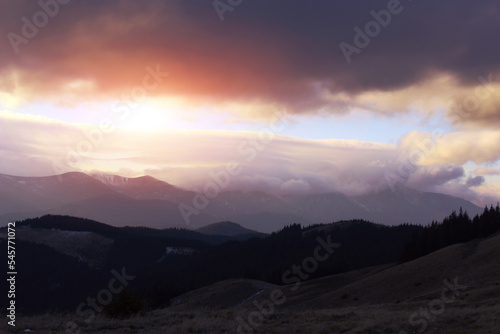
[261, 55]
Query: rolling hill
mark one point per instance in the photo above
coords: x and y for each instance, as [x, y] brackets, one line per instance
[453, 290]
[359, 287]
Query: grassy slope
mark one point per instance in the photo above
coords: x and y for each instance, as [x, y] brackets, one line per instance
[332, 304]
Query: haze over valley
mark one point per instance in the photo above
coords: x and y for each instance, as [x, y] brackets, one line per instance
[146, 201]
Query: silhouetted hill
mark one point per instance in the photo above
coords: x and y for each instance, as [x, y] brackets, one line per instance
[472, 266]
[228, 229]
[453, 229]
[69, 223]
[170, 262]
[49, 280]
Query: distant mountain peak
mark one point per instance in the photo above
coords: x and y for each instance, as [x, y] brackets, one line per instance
[145, 200]
[147, 177]
[117, 180]
[64, 176]
[74, 174]
[226, 228]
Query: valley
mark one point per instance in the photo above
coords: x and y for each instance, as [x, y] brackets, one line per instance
[342, 277]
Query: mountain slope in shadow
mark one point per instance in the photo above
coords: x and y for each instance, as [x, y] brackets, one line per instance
[472, 267]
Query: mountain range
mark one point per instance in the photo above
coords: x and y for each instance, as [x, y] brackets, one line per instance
[146, 201]
[67, 252]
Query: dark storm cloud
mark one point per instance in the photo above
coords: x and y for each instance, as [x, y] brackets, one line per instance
[475, 181]
[428, 177]
[273, 51]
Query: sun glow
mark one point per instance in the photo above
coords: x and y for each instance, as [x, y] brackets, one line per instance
[161, 114]
[150, 115]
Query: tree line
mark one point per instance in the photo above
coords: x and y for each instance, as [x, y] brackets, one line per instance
[456, 228]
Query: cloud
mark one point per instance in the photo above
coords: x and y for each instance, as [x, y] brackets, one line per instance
[475, 181]
[477, 106]
[296, 186]
[35, 146]
[487, 171]
[487, 194]
[265, 52]
[452, 148]
[428, 178]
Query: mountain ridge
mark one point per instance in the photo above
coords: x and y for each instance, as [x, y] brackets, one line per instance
[227, 229]
[147, 201]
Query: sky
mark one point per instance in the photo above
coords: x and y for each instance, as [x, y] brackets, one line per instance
[297, 96]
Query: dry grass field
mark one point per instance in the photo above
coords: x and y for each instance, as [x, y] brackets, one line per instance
[460, 318]
[455, 290]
